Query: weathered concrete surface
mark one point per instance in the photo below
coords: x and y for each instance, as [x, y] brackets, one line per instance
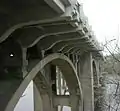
[51, 58]
[31, 30]
[87, 81]
[38, 104]
[31, 25]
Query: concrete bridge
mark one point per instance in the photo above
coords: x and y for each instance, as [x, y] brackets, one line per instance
[51, 43]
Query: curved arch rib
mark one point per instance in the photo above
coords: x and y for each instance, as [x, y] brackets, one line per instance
[56, 59]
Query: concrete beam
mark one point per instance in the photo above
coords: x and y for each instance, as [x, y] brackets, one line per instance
[55, 39]
[61, 100]
[92, 50]
[79, 44]
[74, 101]
[31, 15]
[57, 5]
[29, 36]
[42, 39]
[60, 45]
[69, 2]
[76, 49]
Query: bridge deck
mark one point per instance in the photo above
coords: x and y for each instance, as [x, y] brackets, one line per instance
[41, 39]
[61, 22]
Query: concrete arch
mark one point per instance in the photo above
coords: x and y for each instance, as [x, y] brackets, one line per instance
[95, 74]
[42, 98]
[13, 28]
[68, 70]
[95, 81]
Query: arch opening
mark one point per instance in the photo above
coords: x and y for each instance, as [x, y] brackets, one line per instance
[26, 102]
[95, 84]
[95, 76]
[56, 59]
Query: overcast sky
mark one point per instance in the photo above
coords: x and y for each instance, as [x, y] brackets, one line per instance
[104, 17]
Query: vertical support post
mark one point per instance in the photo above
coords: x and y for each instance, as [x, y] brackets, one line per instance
[53, 78]
[24, 61]
[98, 71]
[38, 105]
[59, 82]
[87, 81]
[74, 102]
[54, 88]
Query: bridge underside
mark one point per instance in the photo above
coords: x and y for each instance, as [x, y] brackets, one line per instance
[47, 41]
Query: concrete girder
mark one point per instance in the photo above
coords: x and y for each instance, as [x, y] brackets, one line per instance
[69, 2]
[62, 44]
[56, 59]
[55, 39]
[55, 26]
[18, 18]
[58, 6]
[31, 36]
[88, 46]
[63, 18]
[30, 16]
[85, 45]
[23, 20]
[45, 45]
[77, 50]
[61, 36]
[78, 47]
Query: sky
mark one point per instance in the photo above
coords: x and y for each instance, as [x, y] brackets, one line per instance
[104, 17]
[26, 101]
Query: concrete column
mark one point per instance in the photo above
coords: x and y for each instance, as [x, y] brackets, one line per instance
[10, 79]
[74, 103]
[86, 78]
[59, 82]
[42, 91]
[55, 109]
[24, 61]
[98, 71]
[38, 105]
[42, 100]
[7, 90]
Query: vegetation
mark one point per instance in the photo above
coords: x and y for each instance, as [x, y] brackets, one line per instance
[108, 94]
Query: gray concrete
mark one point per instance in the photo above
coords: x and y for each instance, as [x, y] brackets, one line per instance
[32, 32]
[87, 81]
[54, 59]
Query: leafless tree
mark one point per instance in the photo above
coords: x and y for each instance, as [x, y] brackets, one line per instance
[108, 98]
